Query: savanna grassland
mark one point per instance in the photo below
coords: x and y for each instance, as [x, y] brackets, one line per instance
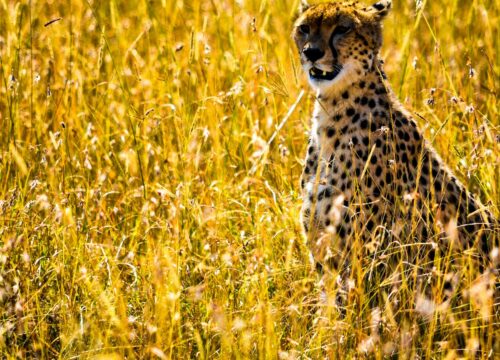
[149, 198]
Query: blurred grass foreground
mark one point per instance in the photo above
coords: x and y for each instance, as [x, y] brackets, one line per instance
[145, 214]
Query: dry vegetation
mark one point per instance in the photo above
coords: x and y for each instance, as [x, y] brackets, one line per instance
[143, 212]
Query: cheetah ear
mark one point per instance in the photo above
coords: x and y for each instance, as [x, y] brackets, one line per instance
[303, 6]
[380, 9]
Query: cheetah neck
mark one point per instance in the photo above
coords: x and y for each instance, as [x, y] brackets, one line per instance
[369, 95]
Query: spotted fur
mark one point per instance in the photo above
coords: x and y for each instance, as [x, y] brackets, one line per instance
[368, 169]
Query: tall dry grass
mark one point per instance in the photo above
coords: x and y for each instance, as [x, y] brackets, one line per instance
[144, 214]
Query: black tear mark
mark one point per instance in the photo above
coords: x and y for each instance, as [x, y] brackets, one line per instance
[330, 43]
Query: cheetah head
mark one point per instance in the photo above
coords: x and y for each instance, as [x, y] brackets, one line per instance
[338, 42]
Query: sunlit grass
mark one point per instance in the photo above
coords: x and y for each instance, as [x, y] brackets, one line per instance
[145, 213]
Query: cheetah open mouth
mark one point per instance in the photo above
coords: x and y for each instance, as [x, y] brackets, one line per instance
[318, 74]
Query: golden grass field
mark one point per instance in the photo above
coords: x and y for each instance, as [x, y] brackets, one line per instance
[144, 213]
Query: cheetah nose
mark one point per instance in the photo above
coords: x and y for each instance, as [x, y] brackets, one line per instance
[313, 54]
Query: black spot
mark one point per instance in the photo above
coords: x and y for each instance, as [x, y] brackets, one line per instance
[447, 286]
[337, 143]
[345, 95]
[327, 222]
[404, 158]
[354, 141]
[438, 186]
[388, 178]
[338, 117]
[385, 149]
[371, 103]
[364, 100]
[378, 143]
[416, 135]
[373, 159]
[330, 132]
[372, 86]
[369, 225]
[348, 164]
[325, 193]
[310, 150]
[366, 141]
[378, 171]
[350, 112]
[469, 228]
[364, 124]
[471, 207]
[484, 243]
[342, 231]
[362, 84]
[376, 192]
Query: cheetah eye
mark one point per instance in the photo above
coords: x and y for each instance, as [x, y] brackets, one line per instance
[304, 29]
[341, 30]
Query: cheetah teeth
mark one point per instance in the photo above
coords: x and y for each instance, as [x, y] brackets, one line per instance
[317, 72]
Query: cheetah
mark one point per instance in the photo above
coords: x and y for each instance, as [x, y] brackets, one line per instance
[368, 169]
